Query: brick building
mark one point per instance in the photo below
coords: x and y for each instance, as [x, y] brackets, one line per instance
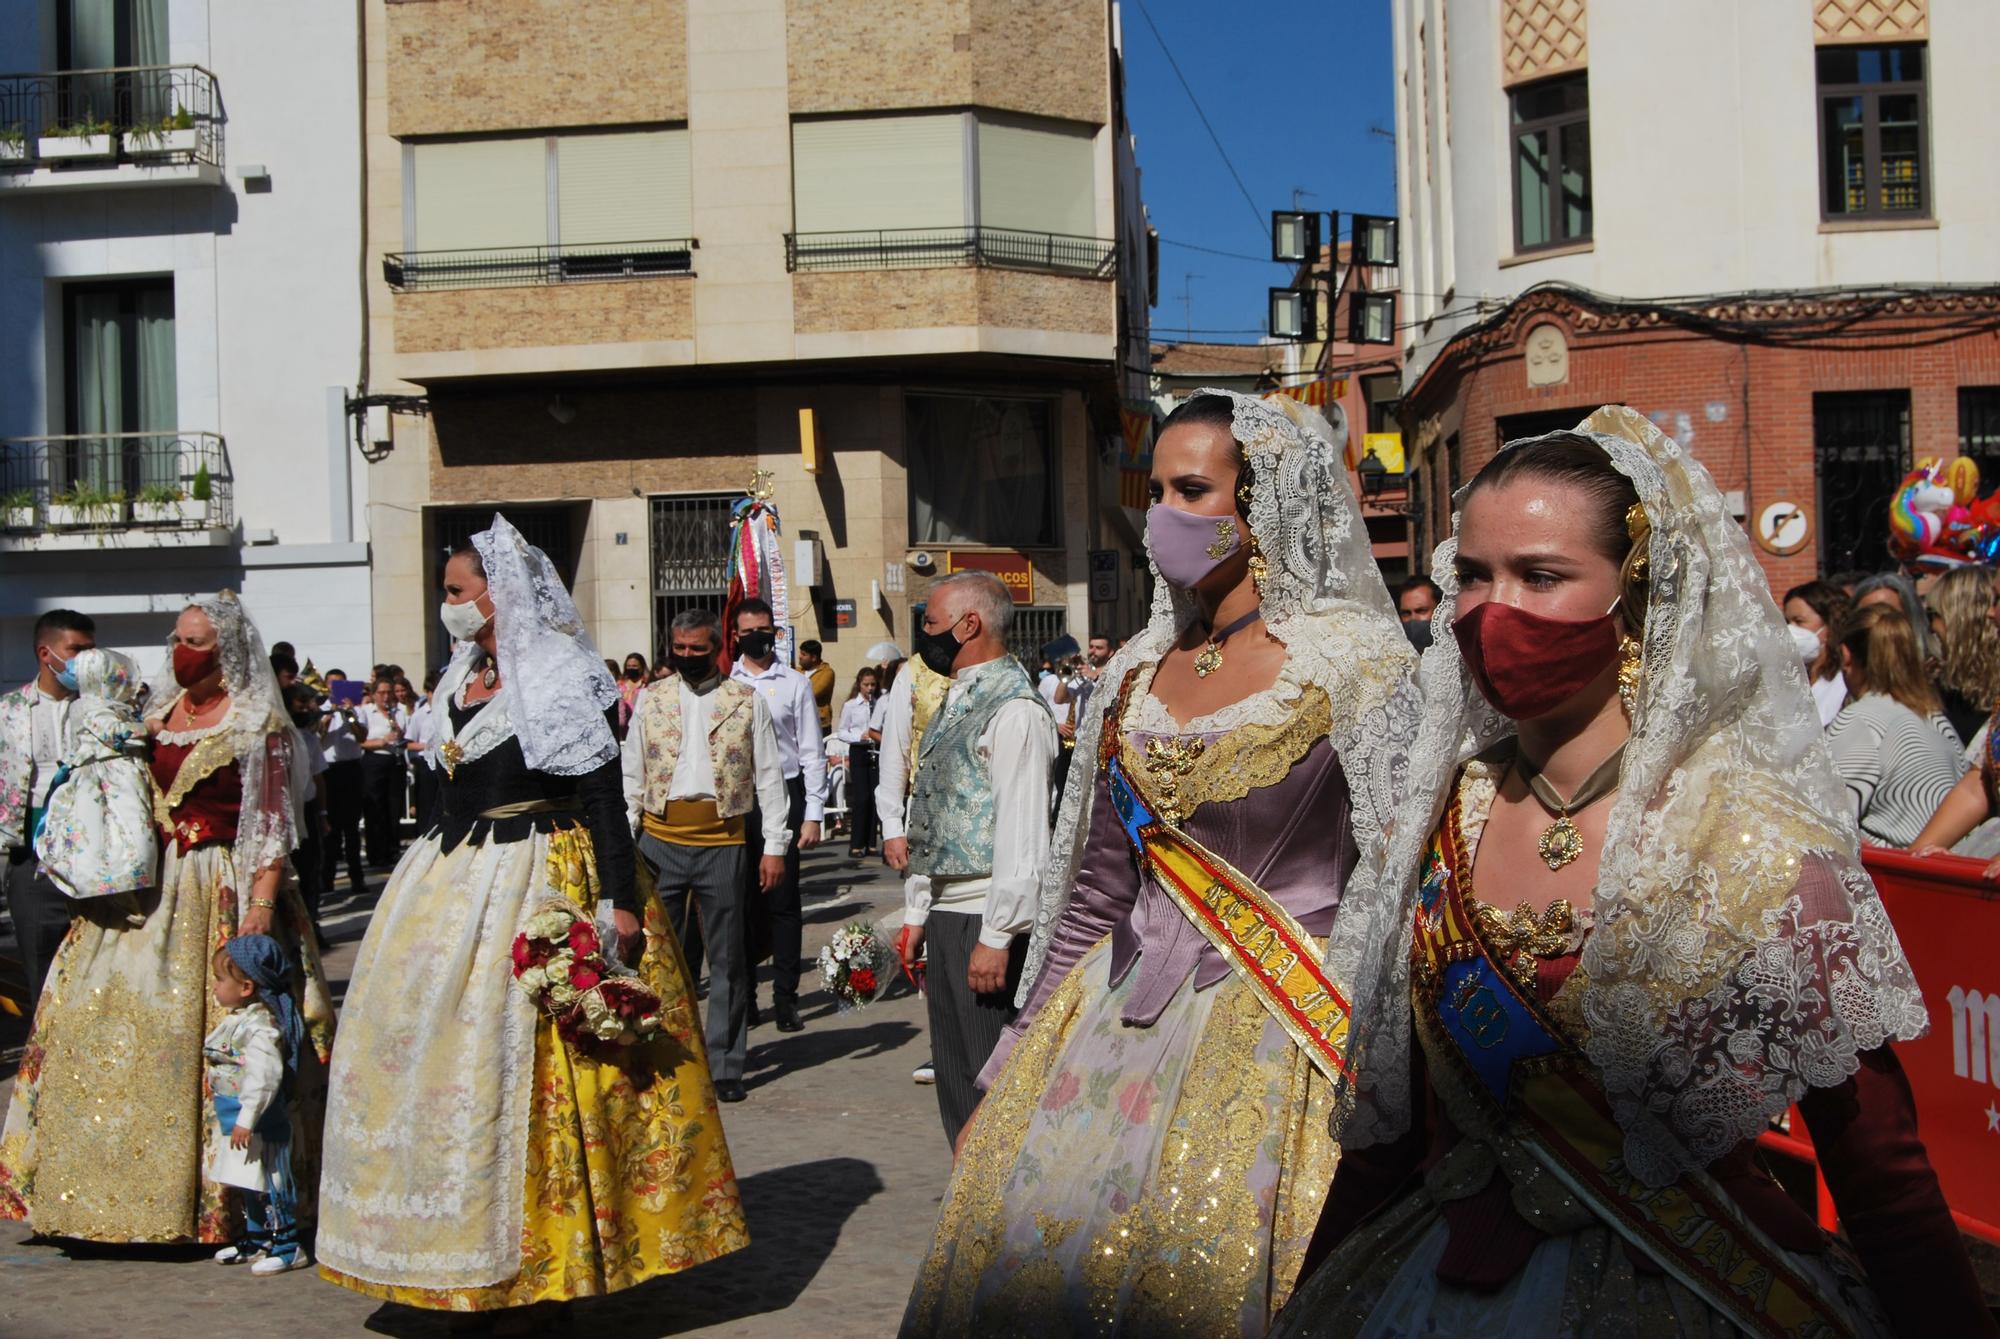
[632, 251]
[1783, 253]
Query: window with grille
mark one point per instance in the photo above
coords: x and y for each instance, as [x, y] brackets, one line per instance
[1861, 449]
[1873, 139]
[1551, 162]
[690, 558]
[1979, 429]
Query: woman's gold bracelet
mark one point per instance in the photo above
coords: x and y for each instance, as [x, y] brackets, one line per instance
[264, 902]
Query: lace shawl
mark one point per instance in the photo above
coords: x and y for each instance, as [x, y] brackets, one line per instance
[263, 741]
[1740, 953]
[561, 689]
[1324, 599]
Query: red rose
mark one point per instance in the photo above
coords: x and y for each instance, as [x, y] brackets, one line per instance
[583, 978]
[524, 954]
[582, 938]
[863, 980]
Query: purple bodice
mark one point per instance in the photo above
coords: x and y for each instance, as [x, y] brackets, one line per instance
[1294, 839]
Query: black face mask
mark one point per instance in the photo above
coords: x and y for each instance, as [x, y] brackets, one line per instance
[304, 722]
[695, 669]
[634, 674]
[755, 645]
[938, 650]
[1418, 630]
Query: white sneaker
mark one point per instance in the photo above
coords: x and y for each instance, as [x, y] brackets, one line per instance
[234, 1255]
[924, 1073]
[278, 1264]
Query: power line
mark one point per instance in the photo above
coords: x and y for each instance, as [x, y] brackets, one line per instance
[1211, 251]
[1167, 51]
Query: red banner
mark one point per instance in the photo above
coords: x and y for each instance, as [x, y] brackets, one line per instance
[1948, 918]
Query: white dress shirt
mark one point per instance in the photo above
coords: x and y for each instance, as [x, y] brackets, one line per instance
[380, 722]
[694, 769]
[1019, 750]
[338, 741]
[48, 718]
[854, 718]
[421, 725]
[795, 717]
[894, 719]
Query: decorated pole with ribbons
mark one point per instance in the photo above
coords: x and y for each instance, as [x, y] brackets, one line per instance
[756, 569]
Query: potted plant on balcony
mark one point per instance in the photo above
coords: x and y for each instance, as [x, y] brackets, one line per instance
[13, 144]
[165, 504]
[17, 509]
[86, 506]
[167, 136]
[85, 137]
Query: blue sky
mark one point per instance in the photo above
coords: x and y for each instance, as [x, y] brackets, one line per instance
[1291, 88]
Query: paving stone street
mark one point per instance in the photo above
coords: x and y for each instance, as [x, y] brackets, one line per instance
[841, 1158]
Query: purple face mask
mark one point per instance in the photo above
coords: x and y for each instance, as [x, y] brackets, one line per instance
[1187, 547]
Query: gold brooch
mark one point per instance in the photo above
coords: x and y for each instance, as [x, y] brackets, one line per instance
[1225, 538]
[452, 755]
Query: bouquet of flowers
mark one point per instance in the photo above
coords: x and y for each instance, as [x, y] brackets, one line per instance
[559, 962]
[857, 965]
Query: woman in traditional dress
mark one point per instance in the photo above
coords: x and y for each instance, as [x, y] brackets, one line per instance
[110, 1129]
[477, 1161]
[1626, 925]
[1152, 1150]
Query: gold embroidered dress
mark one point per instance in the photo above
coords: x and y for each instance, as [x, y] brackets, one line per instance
[110, 1130]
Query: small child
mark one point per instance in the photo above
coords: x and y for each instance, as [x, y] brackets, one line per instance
[96, 840]
[252, 1058]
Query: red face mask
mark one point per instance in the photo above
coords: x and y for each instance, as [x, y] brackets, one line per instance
[192, 666]
[1527, 665]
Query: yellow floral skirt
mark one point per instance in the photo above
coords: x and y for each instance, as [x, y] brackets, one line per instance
[1156, 1181]
[628, 1173]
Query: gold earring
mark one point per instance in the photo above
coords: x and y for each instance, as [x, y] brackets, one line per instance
[1629, 663]
[1259, 569]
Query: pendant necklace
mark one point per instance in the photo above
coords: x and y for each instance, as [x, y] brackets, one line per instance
[1210, 658]
[1562, 842]
[489, 673]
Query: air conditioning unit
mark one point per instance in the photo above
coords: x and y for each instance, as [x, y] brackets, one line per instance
[806, 569]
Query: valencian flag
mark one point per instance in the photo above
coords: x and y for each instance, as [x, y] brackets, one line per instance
[756, 571]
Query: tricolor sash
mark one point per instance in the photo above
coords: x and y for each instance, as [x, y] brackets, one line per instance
[1261, 941]
[1503, 1047]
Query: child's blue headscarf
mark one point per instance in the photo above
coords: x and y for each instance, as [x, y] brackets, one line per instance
[263, 960]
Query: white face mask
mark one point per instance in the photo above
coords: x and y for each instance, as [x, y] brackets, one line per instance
[463, 621]
[1807, 642]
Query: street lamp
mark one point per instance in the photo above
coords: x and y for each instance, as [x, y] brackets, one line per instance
[1295, 235]
[1371, 318]
[1374, 240]
[1294, 314]
[1376, 480]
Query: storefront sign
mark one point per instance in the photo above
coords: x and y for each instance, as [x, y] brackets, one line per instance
[1013, 569]
[1388, 448]
[1104, 575]
[843, 613]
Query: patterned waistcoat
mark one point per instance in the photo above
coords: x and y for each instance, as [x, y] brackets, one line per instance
[731, 712]
[951, 810]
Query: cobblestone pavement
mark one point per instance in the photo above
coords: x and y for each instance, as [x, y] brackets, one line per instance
[841, 1157]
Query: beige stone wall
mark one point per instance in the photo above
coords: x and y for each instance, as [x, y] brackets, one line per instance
[1043, 57]
[464, 66]
[829, 301]
[446, 320]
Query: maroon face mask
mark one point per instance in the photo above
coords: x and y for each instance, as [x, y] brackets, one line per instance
[1527, 665]
[192, 666]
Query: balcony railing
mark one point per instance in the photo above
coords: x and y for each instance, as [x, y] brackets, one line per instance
[509, 267]
[146, 114]
[116, 481]
[928, 248]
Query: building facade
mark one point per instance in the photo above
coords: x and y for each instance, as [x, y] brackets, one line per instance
[180, 280]
[1771, 228]
[630, 254]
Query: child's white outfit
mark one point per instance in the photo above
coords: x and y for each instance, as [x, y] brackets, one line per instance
[97, 838]
[245, 1056]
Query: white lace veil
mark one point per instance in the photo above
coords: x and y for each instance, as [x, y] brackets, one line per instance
[553, 675]
[262, 738]
[1740, 953]
[1324, 599]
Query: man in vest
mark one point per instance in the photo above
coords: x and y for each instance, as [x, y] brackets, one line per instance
[699, 754]
[978, 831]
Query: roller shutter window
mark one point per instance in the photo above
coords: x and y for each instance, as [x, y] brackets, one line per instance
[482, 194]
[625, 187]
[864, 173]
[1036, 179]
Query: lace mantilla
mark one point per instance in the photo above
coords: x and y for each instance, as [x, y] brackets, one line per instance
[188, 737]
[561, 687]
[1739, 953]
[492, 727]
[1323, 598]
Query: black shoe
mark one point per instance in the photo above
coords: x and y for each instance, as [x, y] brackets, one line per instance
[787, 1009]
[753, 1017]
[729, 1090]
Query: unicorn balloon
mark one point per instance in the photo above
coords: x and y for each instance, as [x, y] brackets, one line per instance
[1938, 520]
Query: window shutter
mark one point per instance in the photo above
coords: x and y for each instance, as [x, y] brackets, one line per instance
[1036, 179]
[629, 187]
[479, 194]
[865, 173]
